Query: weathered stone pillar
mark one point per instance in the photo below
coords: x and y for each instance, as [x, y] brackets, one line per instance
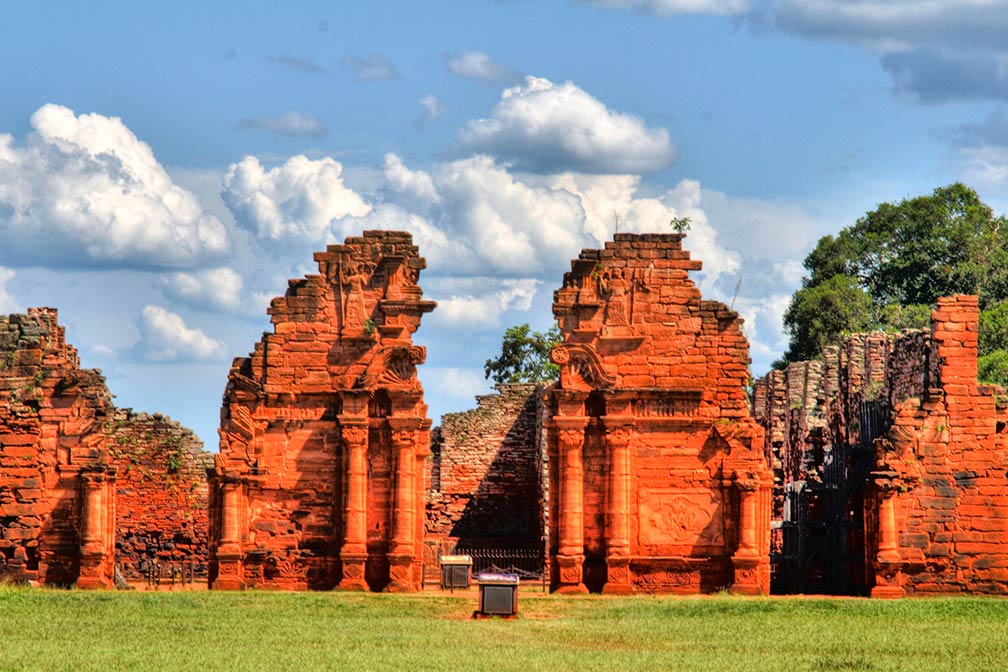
[423, 451]
[888, 563]
[619, 430]
[747, 557]
[229, 556]
[570, 433]
[353, 553]
[401, 557]
[94, 566]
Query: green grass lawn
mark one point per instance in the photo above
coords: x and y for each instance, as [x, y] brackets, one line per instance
[76, 630]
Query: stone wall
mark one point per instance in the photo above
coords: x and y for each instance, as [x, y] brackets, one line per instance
[486, 486]
[892, 436]
[657, 476]
[85, 486]
[324, 433]
[161, 492]
[57, 503]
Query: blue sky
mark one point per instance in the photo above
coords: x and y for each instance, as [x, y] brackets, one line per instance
[165, 167]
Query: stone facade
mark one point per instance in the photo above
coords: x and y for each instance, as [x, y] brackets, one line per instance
[57, 483]
[487, 475]
[161, 492]
[896, 428]
[658, 480]
[324, 433]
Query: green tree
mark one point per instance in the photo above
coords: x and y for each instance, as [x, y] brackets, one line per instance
[524, 356]
[902, 257]
[819, 313]
[993, 347]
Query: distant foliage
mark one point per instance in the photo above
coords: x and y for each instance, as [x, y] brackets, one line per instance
[524, 356]
[886, 270]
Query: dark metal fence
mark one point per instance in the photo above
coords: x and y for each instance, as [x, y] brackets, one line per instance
[528, 563]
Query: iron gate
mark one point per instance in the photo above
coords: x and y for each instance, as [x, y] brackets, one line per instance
[821, 548]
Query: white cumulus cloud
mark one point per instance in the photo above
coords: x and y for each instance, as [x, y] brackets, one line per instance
[612, 203]
[480, 67]
[84, 191]
[487, 308]
[217, 289]
[476, 217]
[546, 127]
[291, 204]
[7, 304]
[165, 337]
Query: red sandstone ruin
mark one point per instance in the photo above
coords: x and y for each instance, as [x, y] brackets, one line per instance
[657, 477]
[324, 433]
[890, 464]
[80, 479]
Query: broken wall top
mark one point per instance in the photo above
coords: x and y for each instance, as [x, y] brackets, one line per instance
[41, 381]
[348, 327]
[632, 319]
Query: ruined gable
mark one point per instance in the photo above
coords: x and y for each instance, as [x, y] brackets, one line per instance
[324, 432]
[657, 477]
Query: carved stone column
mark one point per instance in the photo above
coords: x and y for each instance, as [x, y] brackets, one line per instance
[229, 556]
[353, 553]
[747, 557]
[619, 431]
[423, 452]
[570, 555]
[888, 563]
[95, 565]
[401, 557]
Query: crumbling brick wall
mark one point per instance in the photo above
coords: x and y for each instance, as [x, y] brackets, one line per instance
[657, 476]
[83, 485]
[932, 476]
[57, 503]
[161, 493]
[486, 474]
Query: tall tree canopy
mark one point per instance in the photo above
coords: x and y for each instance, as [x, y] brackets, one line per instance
[888, 268]
[524, 356]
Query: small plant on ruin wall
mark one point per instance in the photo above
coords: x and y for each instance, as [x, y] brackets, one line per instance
[175, 454]
[369, 326]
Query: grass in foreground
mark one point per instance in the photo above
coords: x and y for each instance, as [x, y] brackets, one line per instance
[74, 630]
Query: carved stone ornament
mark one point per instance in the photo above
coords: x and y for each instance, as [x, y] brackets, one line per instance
[570, 574]
[353, 570]
[354, 435]
[570, 438]
[582, 368]
[746, 480]
[393, 367]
